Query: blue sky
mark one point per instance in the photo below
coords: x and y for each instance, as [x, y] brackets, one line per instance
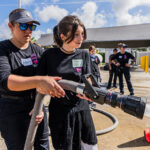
[94, 13]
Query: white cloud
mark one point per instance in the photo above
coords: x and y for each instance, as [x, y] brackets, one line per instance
[4, 30]
[37, 34]
[55, 1]
[51, 12]
[124, 17]
[49, 30]
[89, 15]
[27, 2]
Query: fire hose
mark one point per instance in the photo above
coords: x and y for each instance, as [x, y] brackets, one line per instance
[130, 104]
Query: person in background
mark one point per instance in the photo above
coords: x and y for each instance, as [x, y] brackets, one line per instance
[113, 70]
[95, 63]
[70, 118]
[18, 66]
[99, 56]
[124, 67]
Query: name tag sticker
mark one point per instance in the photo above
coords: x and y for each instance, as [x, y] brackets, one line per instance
[120, 56]
[26, 62]
[77, 63]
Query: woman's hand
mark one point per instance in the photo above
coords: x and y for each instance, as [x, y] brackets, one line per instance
[83, 96]
[117, 64]
[39, 117]
[49, 85]
[110, 68]
[127, 65]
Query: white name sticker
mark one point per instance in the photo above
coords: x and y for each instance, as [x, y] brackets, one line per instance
[120, 56]
[26, 62]
[77, 63]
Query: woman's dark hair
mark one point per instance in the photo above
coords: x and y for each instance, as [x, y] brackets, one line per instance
[68, 24]
[115, 50]
[12, 12]
[91, 47]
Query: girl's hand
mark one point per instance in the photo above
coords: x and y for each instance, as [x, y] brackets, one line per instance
[83, 96]
[39, 117]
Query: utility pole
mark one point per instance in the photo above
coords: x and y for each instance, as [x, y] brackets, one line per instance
[19, 3]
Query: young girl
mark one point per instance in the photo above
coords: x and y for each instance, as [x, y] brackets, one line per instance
[70, 119]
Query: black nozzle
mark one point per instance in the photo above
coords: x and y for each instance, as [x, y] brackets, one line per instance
[130, 104]
[133, 105]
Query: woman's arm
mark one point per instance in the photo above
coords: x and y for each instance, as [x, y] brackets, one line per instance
[44, 84]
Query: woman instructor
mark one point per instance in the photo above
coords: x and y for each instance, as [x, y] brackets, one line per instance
[18, 63]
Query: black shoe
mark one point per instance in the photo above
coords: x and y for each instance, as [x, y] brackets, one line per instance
[108, 87]
[132, 93]
[121, 92]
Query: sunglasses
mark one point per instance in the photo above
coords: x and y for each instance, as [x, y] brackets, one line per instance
[25, 26]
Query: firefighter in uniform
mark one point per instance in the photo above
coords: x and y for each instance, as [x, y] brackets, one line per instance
[124, 67]
[113, 70]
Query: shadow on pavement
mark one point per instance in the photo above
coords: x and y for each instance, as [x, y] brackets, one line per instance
[139, 142]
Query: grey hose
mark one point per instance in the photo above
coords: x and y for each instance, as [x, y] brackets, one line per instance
[113, 118]
[33, 124]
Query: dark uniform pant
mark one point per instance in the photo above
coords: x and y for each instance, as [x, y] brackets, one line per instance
[113, 72]
[126, 72]
[14, 123]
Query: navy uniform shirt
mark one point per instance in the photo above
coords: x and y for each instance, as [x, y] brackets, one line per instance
[123, 58]
[110, 58]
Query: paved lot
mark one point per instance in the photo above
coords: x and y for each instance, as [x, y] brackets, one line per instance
[129, 134]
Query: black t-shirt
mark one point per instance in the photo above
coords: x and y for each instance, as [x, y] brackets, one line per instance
[68, 66]
[110, 58]
[123, 58]
[18, 62]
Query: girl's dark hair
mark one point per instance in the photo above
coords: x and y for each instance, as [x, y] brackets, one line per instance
[68, 24]
[12, 12]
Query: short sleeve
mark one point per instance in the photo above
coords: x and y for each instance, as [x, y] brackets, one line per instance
[131, 56]
[5, 68]
[86, 62]
[98, 60]
[113, 57]
[42, 69]
[110, 57]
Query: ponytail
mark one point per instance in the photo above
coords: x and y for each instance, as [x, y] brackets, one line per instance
[56, 36]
